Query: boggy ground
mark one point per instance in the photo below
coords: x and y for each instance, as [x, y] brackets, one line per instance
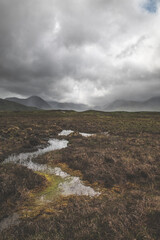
[121, 160]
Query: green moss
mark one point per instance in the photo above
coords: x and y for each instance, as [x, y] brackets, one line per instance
[39, 201]
[51, 192]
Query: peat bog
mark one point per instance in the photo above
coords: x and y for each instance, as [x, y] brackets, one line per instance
[121, 160]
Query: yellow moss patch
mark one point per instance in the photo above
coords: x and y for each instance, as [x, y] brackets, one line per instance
[51, 191]
[39, 201]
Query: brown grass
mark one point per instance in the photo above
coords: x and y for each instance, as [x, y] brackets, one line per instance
[124, 165]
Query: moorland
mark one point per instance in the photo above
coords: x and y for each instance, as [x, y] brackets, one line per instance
[121, 160]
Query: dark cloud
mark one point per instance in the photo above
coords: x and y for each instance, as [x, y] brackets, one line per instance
[82, 51]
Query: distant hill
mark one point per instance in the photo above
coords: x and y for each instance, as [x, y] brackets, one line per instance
[153, 104]
[6, 105]
[33, 101]
[68, 106]
[38, 102]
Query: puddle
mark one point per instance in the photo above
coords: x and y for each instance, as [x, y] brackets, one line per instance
[62, 183]
[86, 134]
[74, 186]
[65, 133]
[9, 221]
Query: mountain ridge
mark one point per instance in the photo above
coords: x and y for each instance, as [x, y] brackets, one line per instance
[6, 105]
[35, 101]
[152, 104]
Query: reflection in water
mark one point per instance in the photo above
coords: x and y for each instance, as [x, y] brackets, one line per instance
[21, 158]
[65, 132]
[70, 185]
[74, 186]
[86, 134]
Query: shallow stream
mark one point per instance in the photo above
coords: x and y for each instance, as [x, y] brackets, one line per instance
[66, 184]
[70, 185]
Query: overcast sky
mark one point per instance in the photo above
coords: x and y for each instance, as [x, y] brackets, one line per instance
[84, 51]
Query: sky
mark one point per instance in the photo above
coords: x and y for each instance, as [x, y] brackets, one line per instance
[82, 51]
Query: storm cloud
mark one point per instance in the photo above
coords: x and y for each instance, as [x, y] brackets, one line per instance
[84, 51]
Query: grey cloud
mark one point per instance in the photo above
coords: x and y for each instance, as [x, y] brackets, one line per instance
[130, 50]
[82, 51]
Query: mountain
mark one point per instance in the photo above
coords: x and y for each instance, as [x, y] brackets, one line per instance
[153, 104]
[68, 106]
[124, 105]
[38, 102]
[33, 101]
[6, 105]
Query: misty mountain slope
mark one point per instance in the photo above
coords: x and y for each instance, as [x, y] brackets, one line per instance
[6, 105]
[68, 106]
[123, 105]
[33, 101]
[153, 104]
[38, 102]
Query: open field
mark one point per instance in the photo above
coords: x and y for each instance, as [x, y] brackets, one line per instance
[121, 161]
